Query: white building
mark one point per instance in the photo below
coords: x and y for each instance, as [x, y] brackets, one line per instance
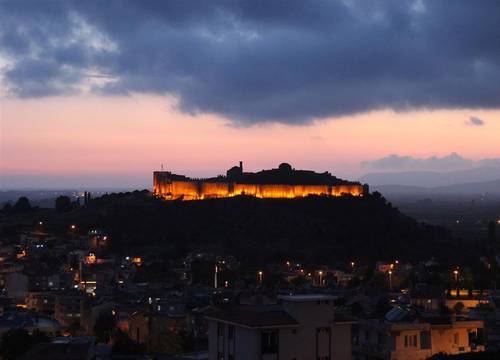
[302, 327]
[404, 337]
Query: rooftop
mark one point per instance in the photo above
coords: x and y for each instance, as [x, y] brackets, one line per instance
[307, 297]
[254, 317]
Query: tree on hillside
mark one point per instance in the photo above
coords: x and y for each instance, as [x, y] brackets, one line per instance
[104, 327]
[22, 205]
[63, 204]
[458, 308]
[124, 345]
[165, 341]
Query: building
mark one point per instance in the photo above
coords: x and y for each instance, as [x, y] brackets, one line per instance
[401, 336]
[16, 319]
[16, 285]
[68, 308]
[427, 297]
[301, 327]
[283, 182]
[41, 302]
[464, 299]
[147, 326]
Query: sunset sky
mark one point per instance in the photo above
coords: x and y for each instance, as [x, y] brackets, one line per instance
[335, 86]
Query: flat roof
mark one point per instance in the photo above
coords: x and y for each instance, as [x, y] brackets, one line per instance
[307, 297]
[252, 317]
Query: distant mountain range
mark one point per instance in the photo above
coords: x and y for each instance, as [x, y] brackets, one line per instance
[487, 187]
[471, 181]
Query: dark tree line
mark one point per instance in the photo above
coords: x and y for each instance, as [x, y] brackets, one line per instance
[311, 230]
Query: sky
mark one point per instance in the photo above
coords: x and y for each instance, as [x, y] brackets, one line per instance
[100, 94]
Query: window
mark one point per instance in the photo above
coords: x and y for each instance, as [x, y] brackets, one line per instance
[410, 341]
[220, 329]
[323, 330]
[425, 340]
[270, 342]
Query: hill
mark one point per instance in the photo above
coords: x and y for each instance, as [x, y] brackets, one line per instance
[311, 230]
[434, 178]
[473, 188]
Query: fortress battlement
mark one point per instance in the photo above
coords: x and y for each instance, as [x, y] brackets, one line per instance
[283, 182]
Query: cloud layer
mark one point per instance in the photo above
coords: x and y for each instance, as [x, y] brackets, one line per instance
[449, 162]
[258, 61]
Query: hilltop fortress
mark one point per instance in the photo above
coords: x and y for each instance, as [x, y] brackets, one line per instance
[283, 182]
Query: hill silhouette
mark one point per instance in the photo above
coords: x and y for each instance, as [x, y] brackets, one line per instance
[312, 229]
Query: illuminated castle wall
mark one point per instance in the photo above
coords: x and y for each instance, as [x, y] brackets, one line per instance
[172, 187]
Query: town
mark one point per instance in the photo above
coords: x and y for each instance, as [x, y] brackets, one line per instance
[249, 180]
[67, 289]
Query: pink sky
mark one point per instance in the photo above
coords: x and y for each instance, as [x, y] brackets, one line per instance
[108, 141]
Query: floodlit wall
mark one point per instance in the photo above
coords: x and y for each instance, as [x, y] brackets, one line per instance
[198, 189]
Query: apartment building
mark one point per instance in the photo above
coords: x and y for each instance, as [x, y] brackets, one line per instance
[300, 327]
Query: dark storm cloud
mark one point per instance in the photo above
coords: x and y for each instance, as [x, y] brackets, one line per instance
[259, 61]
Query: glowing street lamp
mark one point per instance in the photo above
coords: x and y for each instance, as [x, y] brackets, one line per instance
[73, 227]
[390, 279]
[260, 273]
[455, 272]
[215, 276]
[353, 264]
[320, 278]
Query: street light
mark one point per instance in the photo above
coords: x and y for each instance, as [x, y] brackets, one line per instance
[390, 280]
[455, 272]
[320, 278]
[215, 276]
[260, 273]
